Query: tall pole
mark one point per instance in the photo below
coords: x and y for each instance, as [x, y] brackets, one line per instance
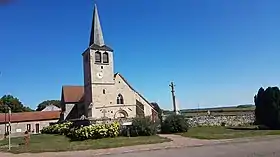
[9, 121]
[173, 97]
[4, 114]
[10, 112]
[5, 123]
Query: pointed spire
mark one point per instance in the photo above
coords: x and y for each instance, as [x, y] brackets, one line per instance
[96, 36]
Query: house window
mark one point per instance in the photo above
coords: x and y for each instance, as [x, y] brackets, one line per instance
[120, 99]
[28, 127]
[104, 91]
[97, 57]
[105, 57]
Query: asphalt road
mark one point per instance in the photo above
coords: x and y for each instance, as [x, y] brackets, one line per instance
[251, 149]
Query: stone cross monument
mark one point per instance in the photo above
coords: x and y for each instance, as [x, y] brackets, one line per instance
[175, 107]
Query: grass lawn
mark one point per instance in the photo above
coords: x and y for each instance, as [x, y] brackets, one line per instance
[53, 143]
[224, 133]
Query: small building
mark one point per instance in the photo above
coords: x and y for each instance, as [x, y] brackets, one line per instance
[27, 121]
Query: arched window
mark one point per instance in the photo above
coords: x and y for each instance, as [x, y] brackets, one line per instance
[97, 57]
[105, 57]
[120, 99]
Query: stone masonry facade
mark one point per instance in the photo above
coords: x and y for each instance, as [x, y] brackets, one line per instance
[219, 120]
[112, 109]
[106, 94]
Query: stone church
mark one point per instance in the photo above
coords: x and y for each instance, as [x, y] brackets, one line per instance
[105, 94]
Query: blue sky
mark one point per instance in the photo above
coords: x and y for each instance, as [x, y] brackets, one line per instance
[218, 53]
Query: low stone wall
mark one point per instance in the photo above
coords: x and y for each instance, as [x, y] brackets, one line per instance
[229, 120]
[205, 120]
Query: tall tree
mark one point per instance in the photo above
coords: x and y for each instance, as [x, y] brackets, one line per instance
[43, 104]
[14, 103]
[258, 99]
[267, 110]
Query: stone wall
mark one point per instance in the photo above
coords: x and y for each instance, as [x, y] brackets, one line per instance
[219, 120]
[211, 120]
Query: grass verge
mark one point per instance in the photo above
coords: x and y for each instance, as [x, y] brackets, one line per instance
[55, 143]
[226, 133]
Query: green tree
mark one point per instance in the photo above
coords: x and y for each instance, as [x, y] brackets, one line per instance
[43, 104]
[14, 103]
[175, 124]
[267, 111]
[143, 126]
[258, 99]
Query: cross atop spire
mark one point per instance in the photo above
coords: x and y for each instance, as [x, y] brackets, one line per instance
[96, 36]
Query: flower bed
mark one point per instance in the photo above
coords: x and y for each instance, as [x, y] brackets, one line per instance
[61, 129]
[93, 131]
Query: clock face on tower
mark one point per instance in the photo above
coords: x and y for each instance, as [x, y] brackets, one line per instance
[99, 75]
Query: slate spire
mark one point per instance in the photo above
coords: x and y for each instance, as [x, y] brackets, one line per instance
[96, 35]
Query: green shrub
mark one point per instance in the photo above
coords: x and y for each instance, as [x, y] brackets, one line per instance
[174, 124]
[94, 131]
[61, 129]
[143, 127]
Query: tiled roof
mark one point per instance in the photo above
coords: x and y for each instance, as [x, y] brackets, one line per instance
[30, 116]
[72, 94]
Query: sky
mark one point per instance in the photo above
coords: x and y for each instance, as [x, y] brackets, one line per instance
[218, 53]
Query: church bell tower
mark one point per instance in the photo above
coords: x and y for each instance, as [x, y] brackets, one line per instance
[98, 64]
